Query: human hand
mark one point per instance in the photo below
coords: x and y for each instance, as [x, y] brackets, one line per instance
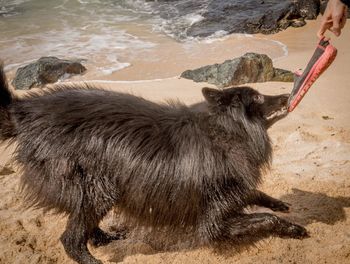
[334, 18]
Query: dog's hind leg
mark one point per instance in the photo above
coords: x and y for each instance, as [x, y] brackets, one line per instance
[262, 199]
[249, 228]
[220, 226]
[75, 239]
[82, 226]
[100, 238]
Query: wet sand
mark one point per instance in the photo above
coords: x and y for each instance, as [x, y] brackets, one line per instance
[310, 170]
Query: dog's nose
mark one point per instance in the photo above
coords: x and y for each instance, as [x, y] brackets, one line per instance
[284, 98]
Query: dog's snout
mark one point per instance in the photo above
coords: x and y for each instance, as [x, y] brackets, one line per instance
[284, 99]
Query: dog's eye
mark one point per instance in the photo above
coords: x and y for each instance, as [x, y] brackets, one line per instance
[235, 100]
[258, 98]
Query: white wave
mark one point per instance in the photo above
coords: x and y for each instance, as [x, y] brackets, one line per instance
[193, 18]
[89, 1]
[15, 2]
[220, 35]
[137, 81]
[13, 66]
[110, 70]
[284, 48]
[137, 6]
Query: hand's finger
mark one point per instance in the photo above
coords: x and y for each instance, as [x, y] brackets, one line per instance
[343, 20]
[324, 26]
[335, 31]
[326, 23]
[320, 34]
[321, 31]
[336, 25]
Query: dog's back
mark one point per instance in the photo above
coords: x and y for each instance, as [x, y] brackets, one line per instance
[110, 145]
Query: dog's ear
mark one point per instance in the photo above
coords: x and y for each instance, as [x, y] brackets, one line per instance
[213, 96]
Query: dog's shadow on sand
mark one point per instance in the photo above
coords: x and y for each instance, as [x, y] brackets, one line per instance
[305, 208]
[308, 207]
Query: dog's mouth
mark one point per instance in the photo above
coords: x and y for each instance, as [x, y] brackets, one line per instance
[279, 113]
[276, 108]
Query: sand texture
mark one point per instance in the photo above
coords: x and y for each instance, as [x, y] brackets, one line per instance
[310, 171]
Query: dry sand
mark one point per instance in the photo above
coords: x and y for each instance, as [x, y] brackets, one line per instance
[311, 171]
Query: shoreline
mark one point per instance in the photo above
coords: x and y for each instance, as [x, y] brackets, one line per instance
[159, 63]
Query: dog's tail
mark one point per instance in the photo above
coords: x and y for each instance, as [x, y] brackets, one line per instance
[6, 99]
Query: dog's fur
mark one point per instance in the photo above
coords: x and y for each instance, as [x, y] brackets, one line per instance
[84, 150]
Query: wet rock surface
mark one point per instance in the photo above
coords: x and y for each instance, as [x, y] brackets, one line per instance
[204, 18]
[45, 70]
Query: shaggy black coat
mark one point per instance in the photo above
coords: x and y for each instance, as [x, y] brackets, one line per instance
[84, 150]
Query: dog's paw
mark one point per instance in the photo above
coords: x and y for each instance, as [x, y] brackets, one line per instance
[279, 206]
[294, 231]
[101, 238]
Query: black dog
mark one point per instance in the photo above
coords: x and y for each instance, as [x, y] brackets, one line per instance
[85, 150]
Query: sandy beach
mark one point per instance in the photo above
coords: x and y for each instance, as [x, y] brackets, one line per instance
[310, 170]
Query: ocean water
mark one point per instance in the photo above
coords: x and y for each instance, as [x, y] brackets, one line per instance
[114, 35]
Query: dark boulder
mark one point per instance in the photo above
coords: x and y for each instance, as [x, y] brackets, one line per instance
[250, 68]
[234, 16]
[308, 9]
[45, 70]
[251, 17]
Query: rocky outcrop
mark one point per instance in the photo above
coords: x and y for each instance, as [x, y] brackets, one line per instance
[308, 9]
[269, 17]
[250, 68]
[281, 75]
[235, 16]
[45, 70]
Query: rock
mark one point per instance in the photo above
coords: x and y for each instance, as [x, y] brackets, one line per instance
[281, 75]
[269, 17]
[45, 70]
[206, 17]
[298, 23]
[249, 68]
[308, 9]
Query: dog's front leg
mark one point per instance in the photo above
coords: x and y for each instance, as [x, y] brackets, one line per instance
[262, 199]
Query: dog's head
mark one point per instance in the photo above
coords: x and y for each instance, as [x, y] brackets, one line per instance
[247, 102]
